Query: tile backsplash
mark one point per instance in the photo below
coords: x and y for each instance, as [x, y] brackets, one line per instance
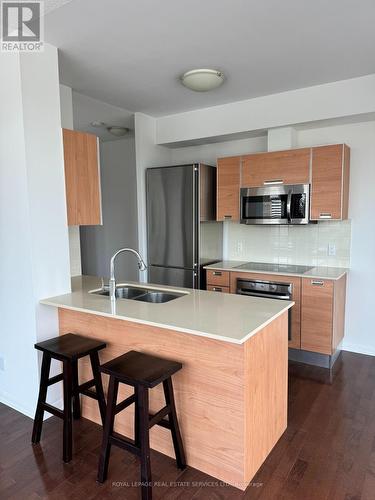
[322, 244]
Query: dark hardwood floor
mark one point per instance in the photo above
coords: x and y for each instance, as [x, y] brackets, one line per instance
[327, 452]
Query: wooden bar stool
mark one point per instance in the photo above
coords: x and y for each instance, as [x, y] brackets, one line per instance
[143, 372]
[68, 349]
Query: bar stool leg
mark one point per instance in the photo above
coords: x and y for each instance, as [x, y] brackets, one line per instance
[43, 386]
[137, 441]
[175, 429]
[67, 432]
[76, 399]
[94, 358]
[144, 438]
[108, 429]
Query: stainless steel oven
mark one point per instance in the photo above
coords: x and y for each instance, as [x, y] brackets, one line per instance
[267, 290]
[278, 204]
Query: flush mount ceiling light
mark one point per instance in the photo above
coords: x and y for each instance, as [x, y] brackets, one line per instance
[202, 80]
[118, 131]
[112, 129]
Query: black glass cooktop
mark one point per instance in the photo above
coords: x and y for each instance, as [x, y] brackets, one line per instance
[275, 268]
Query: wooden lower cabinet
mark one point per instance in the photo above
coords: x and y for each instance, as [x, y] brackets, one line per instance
[217, 278]
[317, 302]
[318, 316]
[322, 314]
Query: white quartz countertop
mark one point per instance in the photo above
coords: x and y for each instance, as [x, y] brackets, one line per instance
[221, 316]
[326, 273]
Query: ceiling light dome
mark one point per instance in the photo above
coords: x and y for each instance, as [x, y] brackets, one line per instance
[118, 131]
[202, 80]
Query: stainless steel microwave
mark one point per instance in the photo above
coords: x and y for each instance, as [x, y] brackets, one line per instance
[282, 204]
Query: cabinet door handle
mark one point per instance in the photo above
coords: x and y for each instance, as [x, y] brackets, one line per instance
[217, 273]
[216, 289]
[325, 215]
[317, 283]
[227, 216]
[274, 181]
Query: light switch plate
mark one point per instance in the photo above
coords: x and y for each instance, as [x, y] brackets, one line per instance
[331, 249]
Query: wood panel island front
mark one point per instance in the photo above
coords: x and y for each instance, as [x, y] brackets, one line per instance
[231, 394]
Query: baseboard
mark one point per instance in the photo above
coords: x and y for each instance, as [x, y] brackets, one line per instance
[6, 400]
[314, 358]
[358, 348]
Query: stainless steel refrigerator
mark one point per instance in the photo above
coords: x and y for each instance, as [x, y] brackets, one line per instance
[181, 200]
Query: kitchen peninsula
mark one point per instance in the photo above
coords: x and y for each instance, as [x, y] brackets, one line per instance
[231, 394]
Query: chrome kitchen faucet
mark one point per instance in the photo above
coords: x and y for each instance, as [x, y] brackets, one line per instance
[112, 281]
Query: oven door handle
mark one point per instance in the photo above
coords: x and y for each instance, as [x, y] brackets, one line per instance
[289, 206]
[263, 295]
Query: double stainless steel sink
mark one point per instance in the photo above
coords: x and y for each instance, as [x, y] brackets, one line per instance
[140, 294]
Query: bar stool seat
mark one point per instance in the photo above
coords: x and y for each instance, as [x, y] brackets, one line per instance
[143, 372]
[68, 349]
[136, 368]
[70, 346]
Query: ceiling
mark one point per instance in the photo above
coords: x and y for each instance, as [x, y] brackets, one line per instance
[87, 110]
[130, 53]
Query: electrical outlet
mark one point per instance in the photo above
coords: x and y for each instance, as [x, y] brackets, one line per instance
[331, 249]
[2, 364]
[239, 247]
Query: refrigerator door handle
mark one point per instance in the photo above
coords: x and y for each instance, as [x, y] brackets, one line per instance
[196, 209]
[195, 279]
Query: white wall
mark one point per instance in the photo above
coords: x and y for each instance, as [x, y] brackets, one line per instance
[34, 250]
[360, 304]
[17, 326]
[208, 153]
[281, 138]
[346, 98]
[66, 108]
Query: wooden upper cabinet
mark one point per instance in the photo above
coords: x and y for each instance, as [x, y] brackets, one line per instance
[330, 182]
[82, 179]
[228, 188]
[279, 167]
[317, 315]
